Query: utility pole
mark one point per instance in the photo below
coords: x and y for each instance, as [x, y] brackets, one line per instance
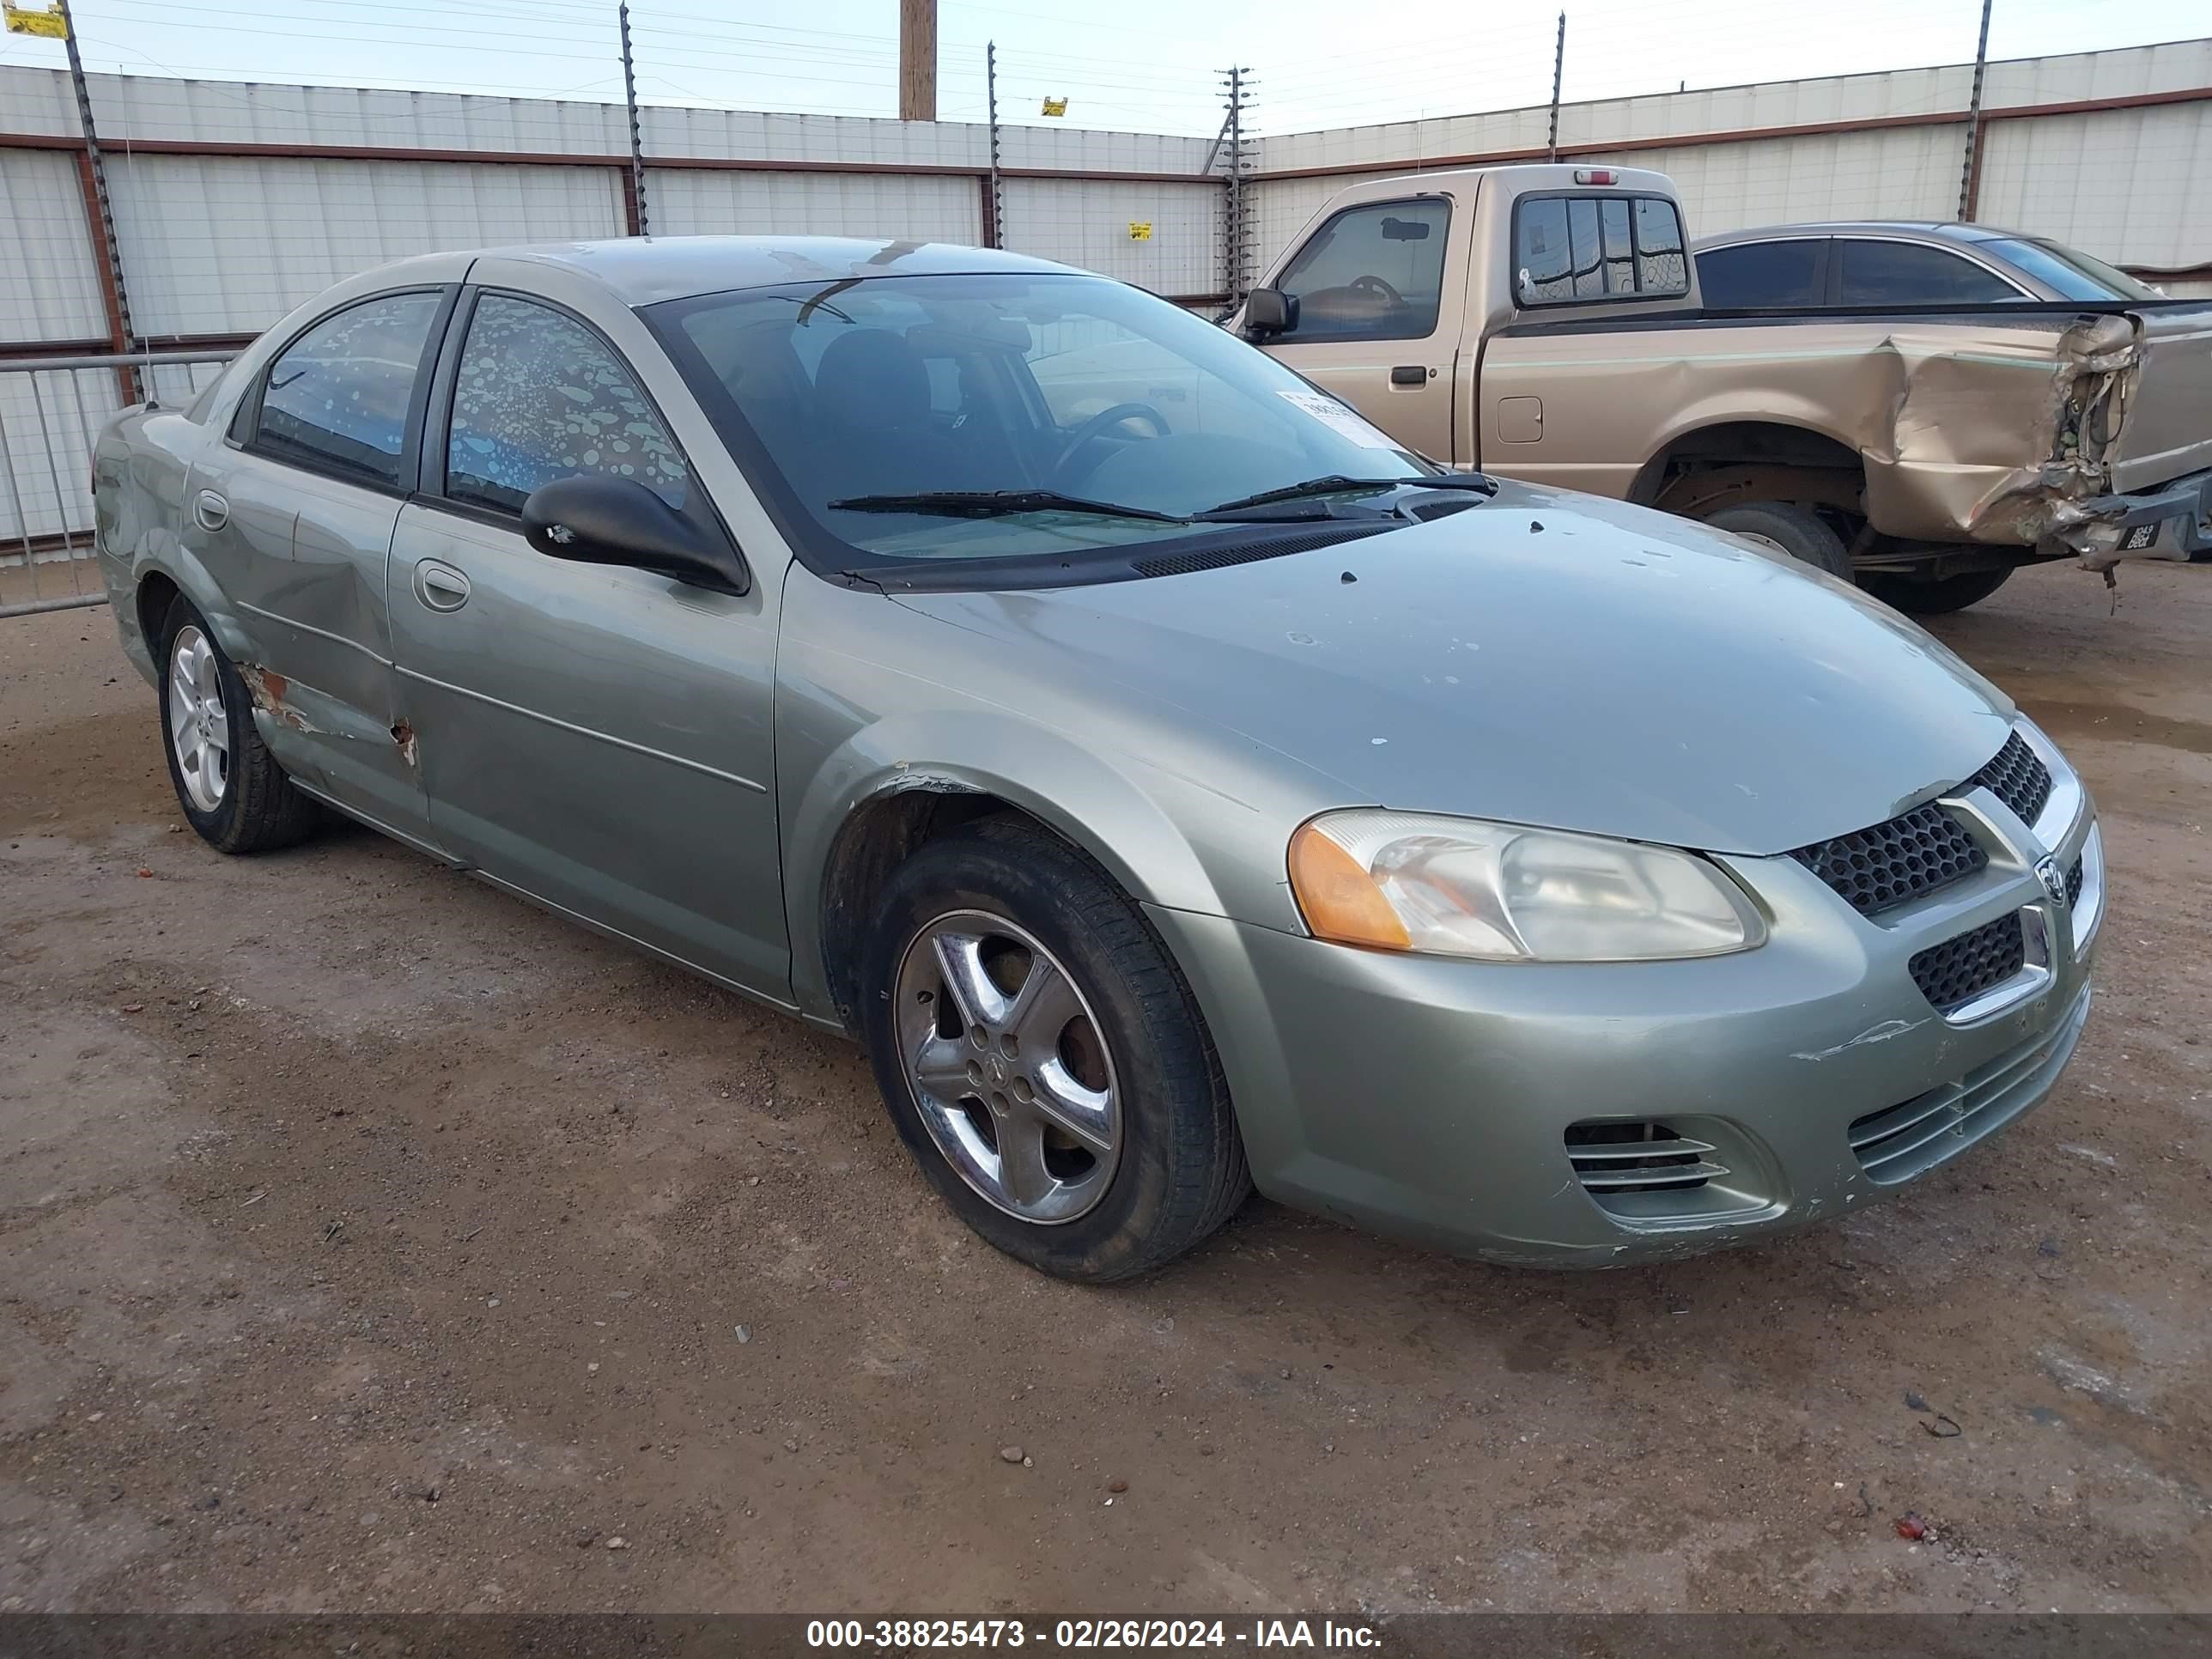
[101, 206]
[998, 227]
[1232, 225]
[636, 135]
[1970, 177]
[917, 60]
[1558, 69]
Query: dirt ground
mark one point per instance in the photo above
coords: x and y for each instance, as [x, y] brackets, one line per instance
[370, 1241]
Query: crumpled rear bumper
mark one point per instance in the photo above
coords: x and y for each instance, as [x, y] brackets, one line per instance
[2174, 521]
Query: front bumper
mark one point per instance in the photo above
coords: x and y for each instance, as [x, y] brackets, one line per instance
[1433, 1099]
[2172, 522]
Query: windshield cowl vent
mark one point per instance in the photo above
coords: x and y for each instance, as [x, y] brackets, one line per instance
[1271, 547]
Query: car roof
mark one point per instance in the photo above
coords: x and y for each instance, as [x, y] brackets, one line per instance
[643, 270]
[1923, 230]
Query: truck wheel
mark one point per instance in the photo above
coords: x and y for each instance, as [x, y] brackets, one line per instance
[1043, 1059]
[1918, 597]
[1788, 528]
[231, 788]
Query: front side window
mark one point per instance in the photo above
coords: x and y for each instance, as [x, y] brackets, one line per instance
[1876, 274]
[2068, 272]
[540, 397]
[1754, 275]
[338, 397]
[1569, 248]
[1371, 273]
[859, 406]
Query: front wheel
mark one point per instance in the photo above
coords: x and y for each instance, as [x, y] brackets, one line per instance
[1042, 1058]
[1919, 596]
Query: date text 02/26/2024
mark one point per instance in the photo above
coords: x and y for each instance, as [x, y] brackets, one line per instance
[904, 1634]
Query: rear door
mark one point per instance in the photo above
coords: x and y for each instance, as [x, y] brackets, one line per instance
[292, 514]
[595, 736]
[1371, 325]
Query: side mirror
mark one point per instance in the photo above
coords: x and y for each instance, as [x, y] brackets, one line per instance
[597, 519]
[1269, 310]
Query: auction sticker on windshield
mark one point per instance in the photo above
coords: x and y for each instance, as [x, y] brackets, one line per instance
[1340, 418]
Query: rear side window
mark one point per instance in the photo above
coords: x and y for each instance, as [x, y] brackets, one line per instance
[540, 397]
[338, 397]
[1875, 274]
[1587, 247]
[1373, 272]
[1756, 275]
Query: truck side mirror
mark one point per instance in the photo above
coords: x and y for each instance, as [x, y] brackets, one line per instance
[1269, 310]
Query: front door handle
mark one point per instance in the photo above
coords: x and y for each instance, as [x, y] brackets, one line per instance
[1409, 374]
[441, 586]
[209, 510]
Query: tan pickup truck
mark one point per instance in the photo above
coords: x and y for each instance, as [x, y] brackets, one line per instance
[1545, 323]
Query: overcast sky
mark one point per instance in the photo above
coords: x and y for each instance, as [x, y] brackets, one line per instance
[1137, 63]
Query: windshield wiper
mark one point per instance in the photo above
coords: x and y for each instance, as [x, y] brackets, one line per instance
[996, 504]
[1337, 482]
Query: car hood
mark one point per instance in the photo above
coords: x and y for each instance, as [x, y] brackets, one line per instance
[1547, 659]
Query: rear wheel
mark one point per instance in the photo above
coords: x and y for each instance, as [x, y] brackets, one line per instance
[1786, 527]
[1920, 596]
[229, 784]
[1044, 1060]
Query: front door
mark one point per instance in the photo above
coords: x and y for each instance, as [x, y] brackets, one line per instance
[598, 737]
[292, 512]
[1371, 325]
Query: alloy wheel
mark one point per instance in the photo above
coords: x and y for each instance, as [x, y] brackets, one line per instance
[199, 725]
[1011, 1074]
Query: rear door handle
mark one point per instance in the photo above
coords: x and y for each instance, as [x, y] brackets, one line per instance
[441, 586]
[209, 510]
[1409, 374]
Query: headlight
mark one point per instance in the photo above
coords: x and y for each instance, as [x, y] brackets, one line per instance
[1458, 887]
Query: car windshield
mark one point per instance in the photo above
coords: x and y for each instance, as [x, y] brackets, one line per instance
[2067, 273]
[1005, 415]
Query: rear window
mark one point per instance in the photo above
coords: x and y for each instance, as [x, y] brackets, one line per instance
[1752, 276]
[1577, 249]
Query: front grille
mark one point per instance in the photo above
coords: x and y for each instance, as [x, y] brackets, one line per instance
[1894, 863]
[2074, 884]
[1266, 547]
[2016, 777]
[1639, 1158]
[1910, 1139]
[1961, 968]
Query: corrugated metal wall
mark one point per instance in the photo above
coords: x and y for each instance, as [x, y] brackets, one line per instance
[916, 207]
[2130, 185]
[220, 247]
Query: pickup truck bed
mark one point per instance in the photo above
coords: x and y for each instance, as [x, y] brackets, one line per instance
[2017, 425]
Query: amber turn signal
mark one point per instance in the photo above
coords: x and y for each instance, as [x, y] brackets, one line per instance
[1340, 901]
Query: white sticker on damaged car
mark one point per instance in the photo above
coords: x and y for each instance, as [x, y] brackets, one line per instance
[1340, 418]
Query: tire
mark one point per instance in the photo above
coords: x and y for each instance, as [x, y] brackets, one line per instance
[1176, 1169]
[1938, 597]
[1788, 528]
[244, 804]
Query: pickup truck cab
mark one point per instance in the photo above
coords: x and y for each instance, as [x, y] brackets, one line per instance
[1546, 323]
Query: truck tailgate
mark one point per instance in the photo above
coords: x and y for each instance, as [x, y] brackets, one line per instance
[2167, 432]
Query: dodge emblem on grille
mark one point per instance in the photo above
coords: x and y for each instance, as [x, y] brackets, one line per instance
[2054, 883]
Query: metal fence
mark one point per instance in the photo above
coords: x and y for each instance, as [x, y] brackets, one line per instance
[52, 410]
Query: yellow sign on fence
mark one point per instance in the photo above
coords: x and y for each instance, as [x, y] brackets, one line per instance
[1055, 106]
[54, 25]
[1140, 230]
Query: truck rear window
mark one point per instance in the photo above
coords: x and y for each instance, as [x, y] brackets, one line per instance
[1591, 246]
